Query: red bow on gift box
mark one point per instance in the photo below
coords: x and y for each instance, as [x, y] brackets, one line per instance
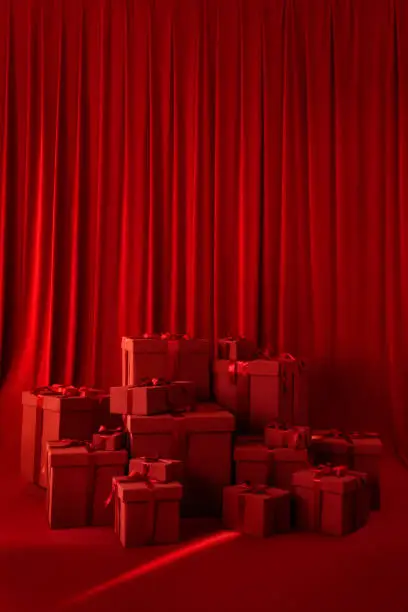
[329, 470]
[132, 477]
[68, 391]
[169, 336]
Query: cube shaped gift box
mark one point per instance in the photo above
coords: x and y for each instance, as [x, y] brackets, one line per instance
[80, 481]
[332, 500]
[54, 413]
[147, 398]
[236, 349]
[282, 435]
[231, 390]
[256, 510]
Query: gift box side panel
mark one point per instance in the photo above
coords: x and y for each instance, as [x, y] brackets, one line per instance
[283, 472]
[30, 455]
[148, 401]
[67, 498]
[195, 367]
[337, 516]
[167, 522]
[231, 507]
[102, 476]
[264, 393]
[136, 523]
[254, 472]
[153, 445]
[304, 506]
[146, 365]
[258, 516]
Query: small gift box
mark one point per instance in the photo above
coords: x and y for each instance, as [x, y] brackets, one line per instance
[331, 446]
[256, 511]
[147, 512]
[333, 501]
[254, 463]
[145, 399]
[181, 395]
[80, 480]
[281, 435]
[160, 470]
[231, 389]
[367, 451]
[236, 349]
[189, 359]
[144, 357]
[110, 439]
[287, 461]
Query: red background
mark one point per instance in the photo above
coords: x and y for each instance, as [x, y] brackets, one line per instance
[216, 166]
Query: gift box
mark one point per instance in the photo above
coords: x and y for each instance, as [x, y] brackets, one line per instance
[367, 451]
[202, 440]
[231, 389]
[272, 391]
[80, 481]
[236, 349]
[189, 359]
[110, 439]
[147, 513]
[280, 435]
[144, 357]
[254, 464]
[60, 412]
[256, 511]
[333, 501]
[146, 399]
[161, 470]
[287, 461]
[181, 395]
[331, 446]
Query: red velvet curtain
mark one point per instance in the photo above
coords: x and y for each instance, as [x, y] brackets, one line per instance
[215, 166]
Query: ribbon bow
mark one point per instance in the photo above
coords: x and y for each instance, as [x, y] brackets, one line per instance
[329, 470]
[134, 476]
[110, 432]
[152, 382]
[169, 336]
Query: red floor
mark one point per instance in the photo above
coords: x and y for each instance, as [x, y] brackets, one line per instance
[44, 570]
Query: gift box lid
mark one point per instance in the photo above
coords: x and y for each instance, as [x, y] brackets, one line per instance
[191, 345]
[108, 457]
[57, 403]
[367, 446]
[252, 452]
[333, 444]
[130, 492]
[155, 424]
[29, 399]
[330, 484]
[264, 367]
[290, 454]
[138, 462]
[75, 456]
[139, 344]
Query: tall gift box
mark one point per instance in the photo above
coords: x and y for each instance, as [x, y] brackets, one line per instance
[189, 359]
[330, 500]
[236, 349]
[144, 399]
[147, 513]
[273, 383]
[256, 511]
[367, 451]
[287, 461]
[80, 482]
[254, 464]
[144, 357]
[231, 389]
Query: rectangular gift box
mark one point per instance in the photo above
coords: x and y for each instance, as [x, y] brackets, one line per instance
[282, 436]
[236, 349]
[68, 417]
[147, 514]
[181, 395]
[143, 400]
[110, 439]
[143, 358]
[253, 464]
[287, 461]
[231, 389]
[162, 470]
[257, 512]
[189, 359]
[331, 504]
[79, 485]
[330, 446]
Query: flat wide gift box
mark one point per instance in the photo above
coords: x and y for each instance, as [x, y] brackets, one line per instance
[143, 399]
[162, 470]
[80, 482]
[143, 357]
[256, 511]
[332, 502]
[189, 359]
[273, 391]
[231, 389]
[54, 417]
[147, 513]
[202, 440]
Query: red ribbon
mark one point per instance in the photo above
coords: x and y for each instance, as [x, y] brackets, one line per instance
[236, 368]
[73, 444]
[329, 470]
[152, 382]
[67, 391]
[134, 476]
[110, 432]
[361, 435]
[169, 336]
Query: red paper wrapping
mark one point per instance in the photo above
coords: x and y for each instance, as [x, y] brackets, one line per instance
[255, 511]
[110, 439]
[189, 359]
[332, 502]
[144, 357]
[160, 470]
[253, 463]
[280, 435]
[231, 390]
[236, 349]
[79, 484]
[147, 513]
[139, 400]
[287, 461]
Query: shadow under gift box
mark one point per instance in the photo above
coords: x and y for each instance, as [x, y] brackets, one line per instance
[202, 440]
[79, 485]
[143, 358]
[56, 417]
[147, 514]
[331, 504]
[231, 390]
[256, 513]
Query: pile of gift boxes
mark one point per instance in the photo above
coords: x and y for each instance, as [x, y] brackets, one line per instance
[187, 435]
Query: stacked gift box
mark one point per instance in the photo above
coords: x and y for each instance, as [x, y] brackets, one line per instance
[157, 448]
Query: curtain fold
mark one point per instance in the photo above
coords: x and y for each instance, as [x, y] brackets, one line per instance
[216, 167]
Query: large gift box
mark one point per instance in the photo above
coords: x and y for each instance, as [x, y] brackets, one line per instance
[145, 399]
[236, 349]
[189, 359]
[331, 500]
[281, 435]
[231, 389]
[287, 461]
[254, 464]
[162, 470]
[256, 511]
[144, 357]
[80, 481]
[202, 439]
[146, 512]
[53, 413]
[273, 383]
